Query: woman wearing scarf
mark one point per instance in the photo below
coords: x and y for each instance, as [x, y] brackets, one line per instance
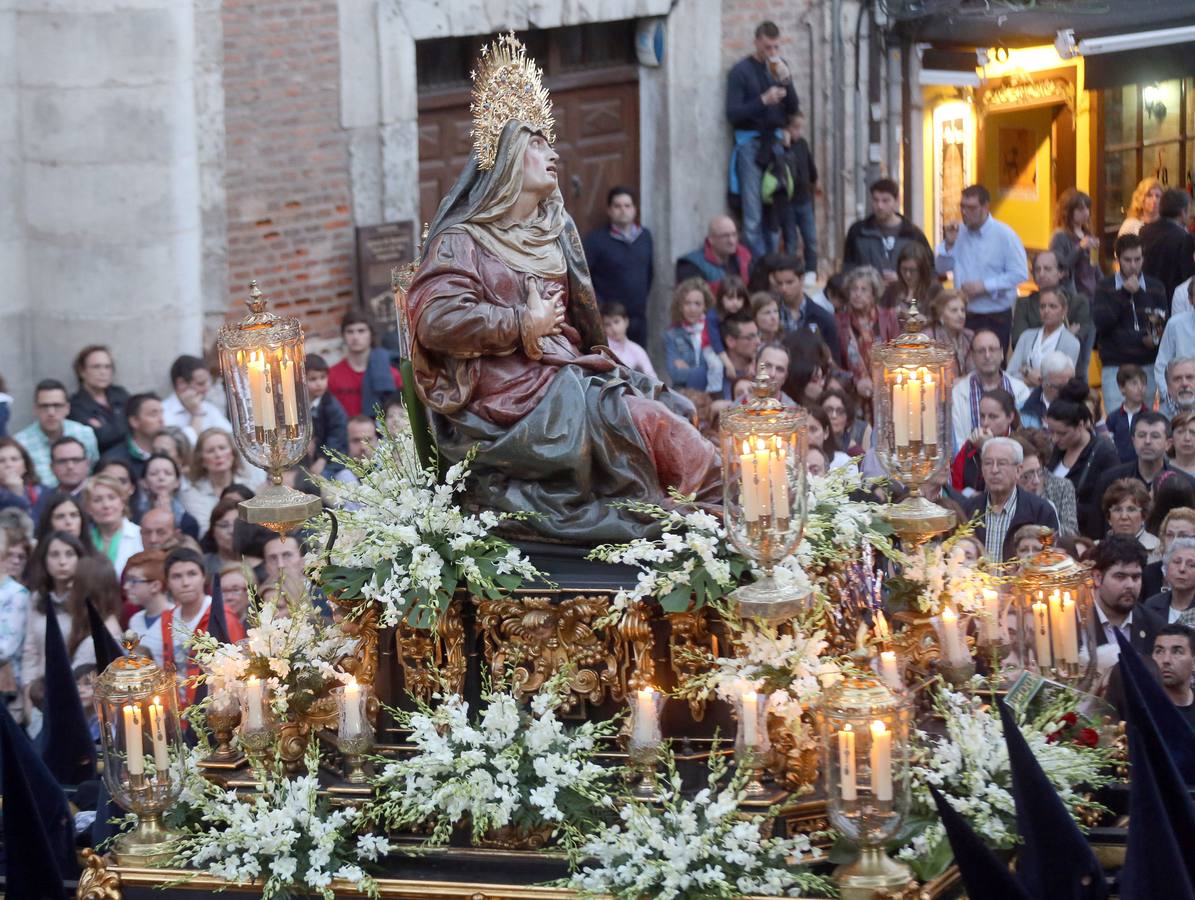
[508, 348]
[861, 326]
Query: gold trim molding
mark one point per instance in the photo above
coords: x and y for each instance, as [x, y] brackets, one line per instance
[1026, 92]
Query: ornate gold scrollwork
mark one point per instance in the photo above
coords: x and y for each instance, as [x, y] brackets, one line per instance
[535, 638]
[95, 881]
[636, 666]
[688, 639]
[364, 627]
[431, 660]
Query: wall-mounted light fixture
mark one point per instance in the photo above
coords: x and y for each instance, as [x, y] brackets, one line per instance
[1151, 96]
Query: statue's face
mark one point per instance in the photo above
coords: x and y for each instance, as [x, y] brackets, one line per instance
[539, 166]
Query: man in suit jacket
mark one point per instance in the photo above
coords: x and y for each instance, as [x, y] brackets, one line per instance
[1118, 561]
[1004, 505]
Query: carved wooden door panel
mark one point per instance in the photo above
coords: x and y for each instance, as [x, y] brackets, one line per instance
[597, 137]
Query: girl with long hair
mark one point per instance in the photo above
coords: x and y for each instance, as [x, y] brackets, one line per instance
[19, 484]
[53, 570]
[915, 280]
[1073, 244]
[1143, 207]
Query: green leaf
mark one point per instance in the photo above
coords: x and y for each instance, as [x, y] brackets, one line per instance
[677, 599]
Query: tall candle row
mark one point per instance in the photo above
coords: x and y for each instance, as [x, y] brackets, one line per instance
[263, 385]
[134, 721]
[1055, 629]
[915, 407]
[879, 757]
[764, 487]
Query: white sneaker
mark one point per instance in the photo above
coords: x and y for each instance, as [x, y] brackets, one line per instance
[810, 279]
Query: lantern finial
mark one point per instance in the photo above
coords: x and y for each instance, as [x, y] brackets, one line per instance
[257, 300]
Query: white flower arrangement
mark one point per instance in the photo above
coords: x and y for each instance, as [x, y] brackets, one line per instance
[404, 541]
[693, 847]
[513, 767]
[295, 654]
[837, 525]
[937, 571]
[285, 837]
[969, 765]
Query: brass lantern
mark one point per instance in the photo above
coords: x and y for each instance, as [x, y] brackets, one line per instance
[137, 704]
[1055, 629]
[764, 504]
[265, 381]
[912, 377]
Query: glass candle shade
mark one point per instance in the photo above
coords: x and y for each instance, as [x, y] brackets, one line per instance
[353, 701]
[141, 738]
[1053, 622]
[262, 360]
[257, 717]
[865, 758]
[764, 502]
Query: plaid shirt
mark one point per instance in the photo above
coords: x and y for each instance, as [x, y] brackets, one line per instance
[996, 524]
[34, 440]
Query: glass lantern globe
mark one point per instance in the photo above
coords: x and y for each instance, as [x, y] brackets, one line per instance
[264, 367]
[912, 377]
[1054, 627]
[137, 705]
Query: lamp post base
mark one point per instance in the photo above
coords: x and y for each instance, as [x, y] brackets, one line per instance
[769, 600]
[874, 870]
[147, 845]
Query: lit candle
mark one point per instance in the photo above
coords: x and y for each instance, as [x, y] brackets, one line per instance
[929, 394]
[914, 409]
[881, 761]
[255, 718]
[750, 718]
[352, 708]
[763, 482]
[846, 763]
[259, 391]
[646, 729]
[951, 645]
[132, 739]
[1041, 634]
[888, 670]
[900, 411]
[747, 492]
[286, 377]
[1068, 631]
[991, 614]
[778, 475]
[157, 729]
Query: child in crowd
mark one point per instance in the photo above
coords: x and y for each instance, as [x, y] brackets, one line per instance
[1131, 381]
[731, 298]
[329, 422]
[616, 322]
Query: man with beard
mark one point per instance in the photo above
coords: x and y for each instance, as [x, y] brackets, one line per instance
[1174, 654]
[1118, 561]
[1176, 339]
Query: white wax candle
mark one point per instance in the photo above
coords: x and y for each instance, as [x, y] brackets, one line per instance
[779, 479]
[914, 409]
[889, 671]
[763, 477]
[1069, 651]
[747, 494]
[1041, 635]
[157, 730]
[881, 761]
[750, 718]
[135, 753]
[929, 394]
[646, 729]
[255, 715]
[255, 388]
[352, 708]
[952, 648]
[900, 412]
[846, 763]
[286, 377]
[991, 614]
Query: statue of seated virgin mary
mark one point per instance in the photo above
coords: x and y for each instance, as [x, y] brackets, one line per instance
[507, 343]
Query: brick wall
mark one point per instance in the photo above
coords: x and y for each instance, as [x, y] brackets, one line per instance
[287, 164]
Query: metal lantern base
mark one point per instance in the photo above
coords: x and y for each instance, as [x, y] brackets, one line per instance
[147, 845]
[873, 871]
[768, 600]
[916, 520]
[280, 508]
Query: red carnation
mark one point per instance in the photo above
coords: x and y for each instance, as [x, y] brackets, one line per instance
[1088, 737]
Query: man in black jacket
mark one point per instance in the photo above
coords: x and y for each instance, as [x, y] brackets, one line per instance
[1129, 312]
[1005, 506]
[878, 239]
[760, 98]
[619, 256]
[329, 422]
[1118, 561]
[1151, 443]
[1168, 246]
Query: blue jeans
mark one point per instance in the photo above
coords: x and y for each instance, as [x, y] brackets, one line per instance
[799, 217]
[750, 179]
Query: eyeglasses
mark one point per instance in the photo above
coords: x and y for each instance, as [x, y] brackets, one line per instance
[1035, 475]
[133, 579]
[68, 461]
[53, 405]
[999, 464]
[834, 412]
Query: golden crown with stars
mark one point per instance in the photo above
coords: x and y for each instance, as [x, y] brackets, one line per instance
[507, 85]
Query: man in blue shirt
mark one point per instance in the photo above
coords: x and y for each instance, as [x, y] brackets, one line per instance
[988, 261]
[760, 98]
[619, 257]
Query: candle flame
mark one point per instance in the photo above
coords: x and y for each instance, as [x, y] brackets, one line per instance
[949, 615]
[878, 728]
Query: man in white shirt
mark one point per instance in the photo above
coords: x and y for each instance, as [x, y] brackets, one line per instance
[988, 354]
[187, 408]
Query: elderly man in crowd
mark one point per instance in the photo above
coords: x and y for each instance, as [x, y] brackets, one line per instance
[1056, 370]
[1005, 506]
[719, 256]
[988, 354]
[1178, 339]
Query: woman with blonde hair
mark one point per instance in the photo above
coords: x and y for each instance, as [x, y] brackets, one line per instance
[1143, 208]
[214, 466]
[115, 537]
[1073, 243]
[948, 325]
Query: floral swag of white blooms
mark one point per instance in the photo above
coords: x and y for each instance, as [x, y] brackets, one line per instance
[686, 848]
[938, 572]
[295, 654]
[694, 563]
[404, 541]
[286, 837]
[507, 767]
[969, 765]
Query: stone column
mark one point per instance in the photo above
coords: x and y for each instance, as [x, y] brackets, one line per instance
[14, 333]
[111, 182]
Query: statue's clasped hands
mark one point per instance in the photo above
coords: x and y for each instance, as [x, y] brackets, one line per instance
[542, 316]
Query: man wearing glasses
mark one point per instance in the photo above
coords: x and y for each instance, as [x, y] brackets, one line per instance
[51, 405]
[1005, 506]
